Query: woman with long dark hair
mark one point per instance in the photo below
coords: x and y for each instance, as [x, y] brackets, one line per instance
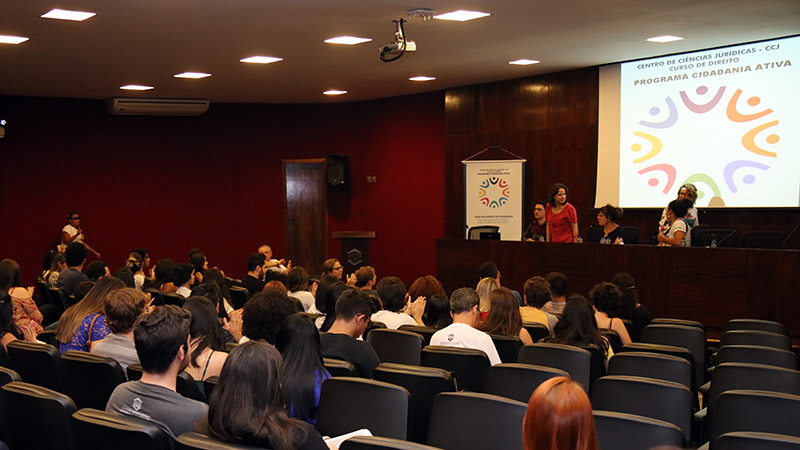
[247, 405]
[577, 325]
[83, 324]
[562, 218]
[26, 314]
[437, 311]
[559, 417]
[504, 317]
[630, 308]
[303, 371]
[206, 345]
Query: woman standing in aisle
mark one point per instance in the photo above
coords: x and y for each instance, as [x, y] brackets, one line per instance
[562, 219]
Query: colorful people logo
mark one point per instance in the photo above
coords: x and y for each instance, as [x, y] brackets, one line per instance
[732, 112]
[494, 192]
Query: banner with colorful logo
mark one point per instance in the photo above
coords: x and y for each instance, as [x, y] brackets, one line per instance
[493, 192]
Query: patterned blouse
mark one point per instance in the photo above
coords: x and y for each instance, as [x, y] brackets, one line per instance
[24, 306]
[81, 339]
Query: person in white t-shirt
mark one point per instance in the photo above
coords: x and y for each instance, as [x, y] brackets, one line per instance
[398, 309]
[72, 232]
[462, 332]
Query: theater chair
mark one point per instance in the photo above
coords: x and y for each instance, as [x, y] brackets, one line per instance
[347, 404]
[396, 346]
[468, 365]
[575, 361]
[518, 381]
[100, 430]
[620, 431]
[36, 417]
[472, 421]
[90, 379]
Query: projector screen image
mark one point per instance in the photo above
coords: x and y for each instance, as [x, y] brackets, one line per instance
[726, 120]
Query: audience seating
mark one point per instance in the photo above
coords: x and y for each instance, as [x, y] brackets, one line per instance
[468, 365]
[4, 360]
[197, 441]
[339, 368]
[396, 346]
[671, 321]
[757, 354]
[613, 339]
[424, 384]
[381, 443]
[688, 337]
[670, 350]
[755, 324]
[620, 431]
[538, 331]
[373, 325]
[425, 332]
[171, 298]
[239, 296]
[597, 363]
[656, 399]
[651, 365]
[347, 404]
[48, 337]
[158, 300]
[762, 239]
[187, 387]
[755, 337]
[473, 421]
[759, 411]
[36, 363]
[99, 430]
[134, 372]
[518, 381]
[90, 379]
[7, 375]
[209, 384]
[575, 361]
[36, 417]
[761, 441]
[58, 298]
[507, 347]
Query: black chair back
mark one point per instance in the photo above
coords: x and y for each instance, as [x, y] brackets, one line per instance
[197, 441]
[99, 430]
[597, 364]
[538, 331]
[171, 298]
[36, 363]
[755, 337]
[158, 300]
[7, 376]
[381, 443]
[689, 337]
[425, 332]
[396, 346]
[349, 403]
[761, 441]
[469, 366]
[187, 387]
[575, 361]
[671, 321]
[239, 296]
[339, 368]
[36, 417]
[460, 420]
[762, 239]
[620, 431]
[89, 378]
[755, 324]
[613, 339]
[518, 381]
[758, 411]
[757, 354]
[651, 365]
[134, 372]
[58, 298]
[209, 384]
[507, 347]
[630, 235]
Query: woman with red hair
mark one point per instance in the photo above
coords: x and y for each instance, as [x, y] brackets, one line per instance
[559, 417]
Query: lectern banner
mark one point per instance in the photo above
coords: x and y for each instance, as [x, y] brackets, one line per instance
[493, 193]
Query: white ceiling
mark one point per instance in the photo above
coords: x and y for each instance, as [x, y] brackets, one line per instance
[148, 41]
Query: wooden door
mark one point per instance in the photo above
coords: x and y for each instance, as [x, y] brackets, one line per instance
[305, 213]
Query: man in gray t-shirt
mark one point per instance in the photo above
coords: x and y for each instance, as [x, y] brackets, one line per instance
[162, 343]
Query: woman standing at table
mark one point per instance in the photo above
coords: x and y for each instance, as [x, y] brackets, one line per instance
[562, 219]
[687, 191]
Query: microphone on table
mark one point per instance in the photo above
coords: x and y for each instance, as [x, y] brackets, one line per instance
[790, 235]
[726, 237]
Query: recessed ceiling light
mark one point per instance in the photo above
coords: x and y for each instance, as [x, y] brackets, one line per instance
[64, 14]
[136, 87]
[461, 15]
[524, 62]
[192, 75]
[347, 40]
[261, 59]
[665, 38]
[12, 39]
[334, 92]
[422, 78]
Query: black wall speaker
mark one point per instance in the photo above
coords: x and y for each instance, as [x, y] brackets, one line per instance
[338, 170]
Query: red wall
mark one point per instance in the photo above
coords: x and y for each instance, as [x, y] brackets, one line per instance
[214, 182]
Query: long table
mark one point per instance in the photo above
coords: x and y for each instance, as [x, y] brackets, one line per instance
[710, 285]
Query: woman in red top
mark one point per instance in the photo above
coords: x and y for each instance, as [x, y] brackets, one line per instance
[562, 219]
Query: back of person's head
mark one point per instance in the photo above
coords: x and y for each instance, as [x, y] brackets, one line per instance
[364, 275]
[125, 274]
[680, 207]
[247, 406]
[134, 262]
[463, 300]
[426, 286]
[163, 271]
[577, 325]
[353, 302]
[55, 259]
[210, 290]
[504, 317]
[537, 292]
[297, 280]
[193, 252]
[324, 285]
[484, 289]
[204, 328]
[96, 270]
[159, 335]
[82, 288]
[75, 254]
[9, 275]
[264, 313]
[255, 260]
[488, 270]
[93, 302]
[628, 295]
[299, 344]
[142, 252]
[558, 283]
[198, 261]
[332, 293]
[437, 311]
[392, 293]
[123, 307]
[182, 273]
[559, 417]
[605, 297]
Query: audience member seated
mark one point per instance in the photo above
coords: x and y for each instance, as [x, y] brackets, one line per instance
[8, 329]
[484, 289]
[278, 266]
[332, 267]
[83, 325]
[298, 287]
[125, 274]
[122, 308]
[353, 310]
[504, 317]
[135, 263]
[631, 308]
[200, 264]
[206, 347]
[303, 371]
[183, 278]
[397, 308]
[247, 406]
[143, 274]
[75, 256]
[263, 314]
[577, 326]
[559, 417]
[256, 268]
[537, 294]
[57, 264]
[490, 270]
[558, 293]
[462, 332]
[162, 276]
[214, 276]
[97, 270]
[330, 294]
[607, 231]
[26, 314]
[366, 278]
[82, 289]
[605, 298]
[437, 311]
[162, 342]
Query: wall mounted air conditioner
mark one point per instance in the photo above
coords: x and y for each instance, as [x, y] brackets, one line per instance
[157, 106]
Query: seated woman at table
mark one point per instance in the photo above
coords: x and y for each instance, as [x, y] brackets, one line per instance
[562, 219]
[677, 235]
[607, 230]
[504, 317]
